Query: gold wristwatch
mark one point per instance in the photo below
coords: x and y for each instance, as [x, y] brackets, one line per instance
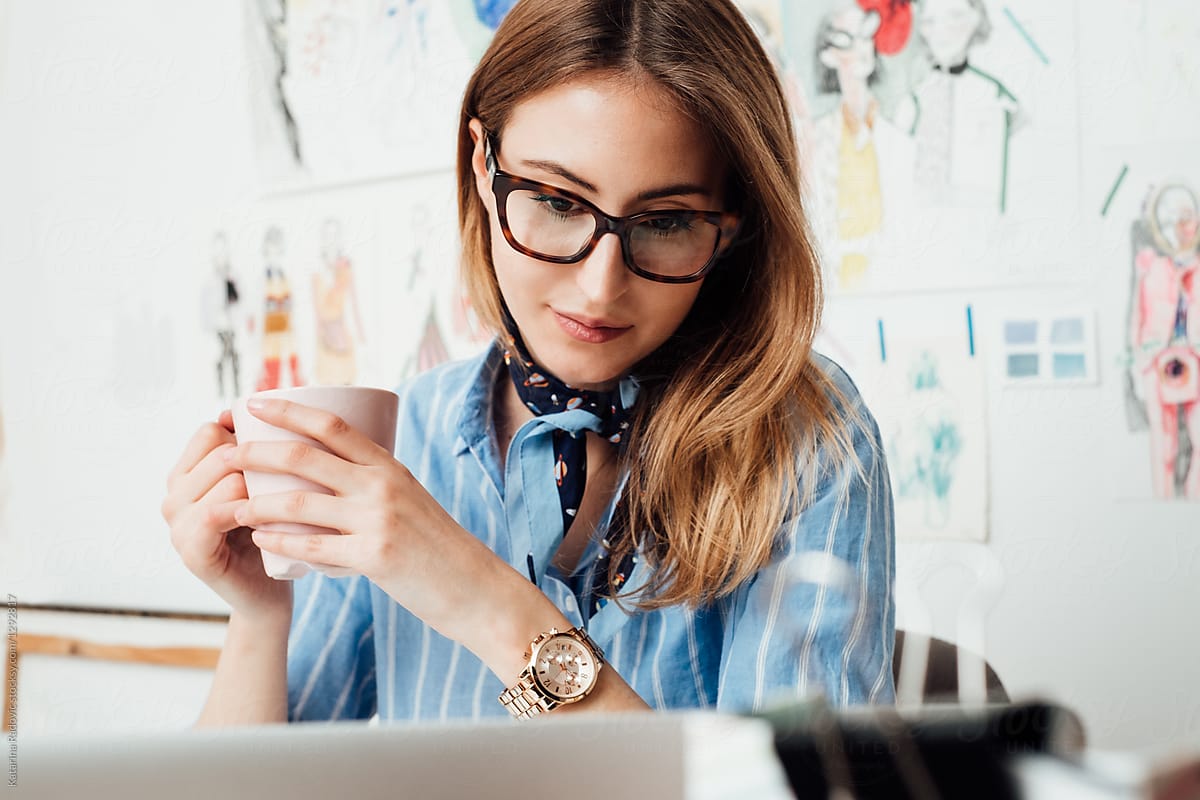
[562, 669]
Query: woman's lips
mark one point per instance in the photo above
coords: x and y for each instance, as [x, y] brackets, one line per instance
[588, 330]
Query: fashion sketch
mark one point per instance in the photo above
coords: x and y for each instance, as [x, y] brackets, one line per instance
[861, 164]
[1164, 337]
[278, 339]
[431, 349]
[334, 300]
[267, 63]
[927, 449]
[963, 117]
[223, 317]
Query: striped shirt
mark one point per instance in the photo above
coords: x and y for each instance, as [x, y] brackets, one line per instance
[818, 618]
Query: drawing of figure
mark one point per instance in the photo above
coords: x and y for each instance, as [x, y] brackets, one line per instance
[431, 350]
[267, 32]
[963, 117]
[222, 317]
[278, 341]
[333, 293]
[925, 451]
[861, 163]
[1164, 336]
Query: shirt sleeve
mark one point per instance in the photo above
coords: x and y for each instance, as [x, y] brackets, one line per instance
[331, 652]
[819, 619]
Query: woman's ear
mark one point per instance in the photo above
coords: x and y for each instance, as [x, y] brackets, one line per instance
[479, 163]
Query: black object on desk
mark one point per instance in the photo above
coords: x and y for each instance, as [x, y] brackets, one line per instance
[934, 751]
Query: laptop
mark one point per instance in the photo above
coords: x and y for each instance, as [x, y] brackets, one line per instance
[692, 755]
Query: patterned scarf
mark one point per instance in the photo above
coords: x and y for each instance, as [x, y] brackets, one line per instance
[543, 394]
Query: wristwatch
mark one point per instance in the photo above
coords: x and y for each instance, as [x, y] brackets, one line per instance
[562, 669]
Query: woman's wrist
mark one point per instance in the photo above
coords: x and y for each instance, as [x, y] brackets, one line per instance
[513, 616]
[268, 624]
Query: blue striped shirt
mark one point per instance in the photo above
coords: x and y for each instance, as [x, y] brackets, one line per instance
[819, 618]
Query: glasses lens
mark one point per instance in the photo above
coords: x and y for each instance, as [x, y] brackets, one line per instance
[673, 245]
[549, 224]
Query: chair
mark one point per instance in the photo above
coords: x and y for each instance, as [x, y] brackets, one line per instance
[941, 673]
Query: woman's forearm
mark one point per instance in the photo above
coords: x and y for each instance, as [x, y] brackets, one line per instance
[250, 684]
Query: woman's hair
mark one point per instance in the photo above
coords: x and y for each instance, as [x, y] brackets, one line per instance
[733, 409]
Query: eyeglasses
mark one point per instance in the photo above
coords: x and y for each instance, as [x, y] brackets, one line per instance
[550, 224]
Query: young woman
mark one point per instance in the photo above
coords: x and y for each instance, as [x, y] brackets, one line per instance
[632, 229]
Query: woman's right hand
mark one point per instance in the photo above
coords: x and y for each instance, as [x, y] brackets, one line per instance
[203, 493]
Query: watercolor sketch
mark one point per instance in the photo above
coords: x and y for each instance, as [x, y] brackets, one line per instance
[963, 117]
[346, 90]
[861, 163]
[912, 138]
[1163, 391]
[339, 324]
[431, 348]
[278, 348]
[224, 316]
[935, 438]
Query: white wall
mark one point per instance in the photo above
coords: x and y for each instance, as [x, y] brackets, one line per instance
[125, 140]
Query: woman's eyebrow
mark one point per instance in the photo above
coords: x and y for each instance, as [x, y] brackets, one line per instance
[558, 169]
[674, 190]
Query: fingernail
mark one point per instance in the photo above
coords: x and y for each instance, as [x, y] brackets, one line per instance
[256, 404]
[229, 453]
[240, 514]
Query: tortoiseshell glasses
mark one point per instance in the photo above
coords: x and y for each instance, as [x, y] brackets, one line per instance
[551, 224]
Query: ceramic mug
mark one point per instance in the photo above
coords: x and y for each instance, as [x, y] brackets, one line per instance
[369, 410]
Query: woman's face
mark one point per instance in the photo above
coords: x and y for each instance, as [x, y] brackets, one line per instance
[621, 145]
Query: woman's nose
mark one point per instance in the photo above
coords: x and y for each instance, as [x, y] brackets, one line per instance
[603, 276]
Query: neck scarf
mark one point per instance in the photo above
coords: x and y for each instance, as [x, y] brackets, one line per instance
[543, 394]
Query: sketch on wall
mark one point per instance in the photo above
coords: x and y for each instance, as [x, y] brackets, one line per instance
[929, 136]
[339, 322]
[861, 166]
[223, 316]
[345, 90]
[431, 348]
[1163, 390]
[926, 389]
[935, 444]
[278, 344]
[963, 116]
[1048, 348]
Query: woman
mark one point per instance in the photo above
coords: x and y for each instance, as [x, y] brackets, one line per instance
[720, 449]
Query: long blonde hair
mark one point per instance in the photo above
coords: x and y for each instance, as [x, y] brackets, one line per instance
[733, 408]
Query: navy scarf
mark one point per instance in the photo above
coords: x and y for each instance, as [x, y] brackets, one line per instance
[543, 393]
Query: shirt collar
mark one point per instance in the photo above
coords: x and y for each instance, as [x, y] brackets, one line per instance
[474, 418]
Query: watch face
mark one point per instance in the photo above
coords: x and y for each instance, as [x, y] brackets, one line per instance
[564, 668]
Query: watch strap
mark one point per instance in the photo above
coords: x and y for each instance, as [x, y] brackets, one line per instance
[524, 701]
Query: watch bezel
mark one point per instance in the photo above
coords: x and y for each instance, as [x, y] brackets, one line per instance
[579, 641]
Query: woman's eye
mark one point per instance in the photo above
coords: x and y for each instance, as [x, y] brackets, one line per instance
[557, 204]
[665, 225]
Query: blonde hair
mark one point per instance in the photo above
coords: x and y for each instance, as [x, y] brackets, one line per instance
[733, 411]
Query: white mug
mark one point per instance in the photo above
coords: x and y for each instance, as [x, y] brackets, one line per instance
[369, 410]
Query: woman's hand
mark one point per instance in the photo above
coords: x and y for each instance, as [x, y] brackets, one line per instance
[394, 532]
[203, 493]
[398, 536]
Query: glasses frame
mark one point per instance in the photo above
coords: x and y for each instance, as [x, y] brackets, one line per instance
[505, 183]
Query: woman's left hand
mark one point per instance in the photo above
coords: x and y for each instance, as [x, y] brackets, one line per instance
[394, 532]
